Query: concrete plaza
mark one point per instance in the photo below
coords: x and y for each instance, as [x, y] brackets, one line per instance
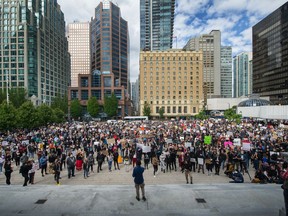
[113, 193]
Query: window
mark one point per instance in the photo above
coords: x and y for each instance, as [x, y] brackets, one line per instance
[168, 109]
[107, 82]
[84, 81]
[84, 95]
[174, 109]
[96, 94]
[185, 109]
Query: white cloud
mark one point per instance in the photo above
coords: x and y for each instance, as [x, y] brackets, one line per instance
[191, 7]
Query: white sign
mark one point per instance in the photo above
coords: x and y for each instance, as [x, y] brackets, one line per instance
[25, 142]
[146, 149]
[237, 142]
[246, 146]
[4, 143]
[187, 144]
[168, 141]
[200, 161]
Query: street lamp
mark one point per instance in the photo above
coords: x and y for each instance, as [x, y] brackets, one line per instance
[7, 87]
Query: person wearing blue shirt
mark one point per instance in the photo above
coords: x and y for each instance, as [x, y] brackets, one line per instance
[139, 180]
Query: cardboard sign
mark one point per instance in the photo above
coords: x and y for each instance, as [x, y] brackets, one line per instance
[207, 140]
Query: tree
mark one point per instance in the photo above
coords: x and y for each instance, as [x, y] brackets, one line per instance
[61, 103]
[231, 115]
[93, 106]
[111, 105]
[17, 96]
[59, 115]
[27, 116]
[202, 115]
[75, 109]
[8, 118]
[161, 113]
[146, 110]
[45, 114]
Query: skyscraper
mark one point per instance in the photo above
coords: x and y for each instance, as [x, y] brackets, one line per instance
[270, 56]
[210, 44]
[109, 50]
[242, 74]
[110, 44]
[226, 71]
[34, 48]
[156, 24]
[79, 49]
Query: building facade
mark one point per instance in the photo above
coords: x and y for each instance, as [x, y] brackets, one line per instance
[109, 50]
[210, 44]
[242, 74]
[34, 49]
[135, 96]
[270, 56]
[79, 48]
[156, 24]
[226, 72]
[171, 79]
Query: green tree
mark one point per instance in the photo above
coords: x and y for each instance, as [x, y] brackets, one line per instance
[8, 118]
[17, 96]
[59, 115]
[27, 116]
[202, 115]
[146, 110]
[231, 115]
[111, 105]
[93, 106]
[45, 114]
[75, 109]
[161, 113]
[60, 102]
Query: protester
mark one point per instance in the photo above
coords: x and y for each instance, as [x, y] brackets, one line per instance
[8, 170]
[139, 180]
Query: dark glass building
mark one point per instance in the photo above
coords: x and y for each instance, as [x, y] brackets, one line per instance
[156, 24]
[33, 48]
[270, 56]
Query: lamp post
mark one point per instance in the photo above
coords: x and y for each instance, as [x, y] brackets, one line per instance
[7, 88]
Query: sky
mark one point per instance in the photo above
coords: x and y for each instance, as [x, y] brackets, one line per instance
[234, 18]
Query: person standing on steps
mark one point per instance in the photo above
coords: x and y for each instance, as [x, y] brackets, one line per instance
[8, 170]
[139, 180]
[187, 168]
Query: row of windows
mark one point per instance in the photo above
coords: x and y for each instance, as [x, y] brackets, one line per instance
[172, 58]
[168, 63]
[169, 98]
[95, 93]
[174, 109]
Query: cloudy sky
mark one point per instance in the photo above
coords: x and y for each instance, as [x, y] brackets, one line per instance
[234, 18]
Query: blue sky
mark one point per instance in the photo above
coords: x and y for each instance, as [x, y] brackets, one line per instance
[234, 18]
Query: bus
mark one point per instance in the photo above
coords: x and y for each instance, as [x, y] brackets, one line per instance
[135, 118]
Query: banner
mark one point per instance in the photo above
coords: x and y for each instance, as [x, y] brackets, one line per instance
[207, 140]
[146, 149]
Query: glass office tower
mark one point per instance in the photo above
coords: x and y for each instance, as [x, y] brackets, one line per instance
[270, 56]
[156, 24]
[33, 48]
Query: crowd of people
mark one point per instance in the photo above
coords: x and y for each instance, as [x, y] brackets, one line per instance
[187, 146]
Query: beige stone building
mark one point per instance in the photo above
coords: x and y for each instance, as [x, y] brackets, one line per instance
[172, 79]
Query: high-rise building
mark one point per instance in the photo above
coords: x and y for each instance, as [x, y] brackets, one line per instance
[109, 50]
[242, 74]
[156, 24]
[135, 96]
[34, 49]
[172, 80]
[226, 71]
[270, 56]
[210, 44]
[79, 48]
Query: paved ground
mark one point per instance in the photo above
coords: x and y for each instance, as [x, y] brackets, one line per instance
[113, 193]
